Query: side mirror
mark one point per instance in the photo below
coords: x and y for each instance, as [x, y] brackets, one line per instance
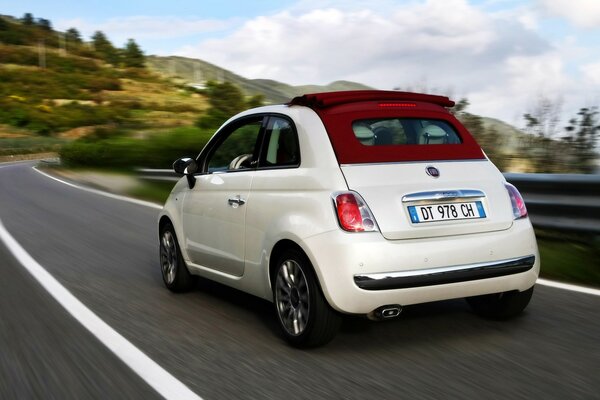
[188, 167]
[185, 166]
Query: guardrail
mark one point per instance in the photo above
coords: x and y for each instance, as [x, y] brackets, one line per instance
[567, 202]
[561, 201]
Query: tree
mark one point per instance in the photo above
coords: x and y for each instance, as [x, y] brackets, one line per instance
[544, 118]
[72, 35]
[28, 19]
[133, 56]
[225, 100]
[45, 24]
[490, 140]
[256, 101]
[582, 135]
[104, 48]
[542, 122]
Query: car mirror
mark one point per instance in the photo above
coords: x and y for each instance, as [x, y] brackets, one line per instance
[188, 167]
[185, 166]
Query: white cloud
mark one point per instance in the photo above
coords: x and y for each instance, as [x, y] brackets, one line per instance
[582, 13]
[441, 46]
[430, 39]
[591, 73]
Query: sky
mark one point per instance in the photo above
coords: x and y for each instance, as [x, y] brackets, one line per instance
[503, 55]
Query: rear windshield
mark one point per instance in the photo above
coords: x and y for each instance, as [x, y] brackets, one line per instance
[403, 131]
[369, 133]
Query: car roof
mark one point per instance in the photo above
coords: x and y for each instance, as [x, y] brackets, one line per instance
[330, 99]
[340, 110]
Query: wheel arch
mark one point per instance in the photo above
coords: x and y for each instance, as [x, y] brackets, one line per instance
[162, 222]
[279, 248]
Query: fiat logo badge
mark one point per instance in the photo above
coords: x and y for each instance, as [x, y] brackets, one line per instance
[432, 171]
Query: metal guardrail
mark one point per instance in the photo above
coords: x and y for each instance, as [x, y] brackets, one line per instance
[566, 202]
[569, 202]
[157, 174]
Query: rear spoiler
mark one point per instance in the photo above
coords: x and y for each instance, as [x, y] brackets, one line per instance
[330, 99]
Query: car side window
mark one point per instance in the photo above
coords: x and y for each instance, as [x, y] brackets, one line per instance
[281, 141]
[238, 151]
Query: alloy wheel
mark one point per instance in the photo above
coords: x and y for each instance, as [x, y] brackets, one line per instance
[292, 297]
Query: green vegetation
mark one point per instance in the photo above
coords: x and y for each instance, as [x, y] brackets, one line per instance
[153, 191]
[56, 87]
[225, 100]
[537, 149]
[30, 145]
[119, 150]
[569, 258]
[52, 82]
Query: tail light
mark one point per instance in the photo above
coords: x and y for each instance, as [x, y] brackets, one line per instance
[518, 204]
[353, 213]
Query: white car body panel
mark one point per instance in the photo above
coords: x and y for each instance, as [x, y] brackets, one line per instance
[383, 186]
[338, 256]
[214, 229]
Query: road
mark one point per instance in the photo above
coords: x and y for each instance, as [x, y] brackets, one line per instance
[224, 344]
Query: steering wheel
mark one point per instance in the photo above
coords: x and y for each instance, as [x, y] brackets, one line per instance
[237, 162]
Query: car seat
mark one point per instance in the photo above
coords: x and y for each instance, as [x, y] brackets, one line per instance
[364, 134]
[432, 134]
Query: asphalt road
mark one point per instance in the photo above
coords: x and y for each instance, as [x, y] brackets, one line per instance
[224, 344]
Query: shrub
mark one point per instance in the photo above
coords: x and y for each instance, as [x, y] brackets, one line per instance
[157, 151]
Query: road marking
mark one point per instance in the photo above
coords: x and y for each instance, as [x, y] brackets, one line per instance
[159, 379]
[101, 192]
[568, 286]
[540, 281]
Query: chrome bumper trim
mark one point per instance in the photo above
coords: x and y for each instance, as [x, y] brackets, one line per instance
[443, 275]
[443, 195]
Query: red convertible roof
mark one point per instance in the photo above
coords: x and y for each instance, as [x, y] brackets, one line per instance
[339, 110]
[330, 99]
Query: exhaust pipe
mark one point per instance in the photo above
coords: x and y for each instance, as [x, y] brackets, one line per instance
[385, 312]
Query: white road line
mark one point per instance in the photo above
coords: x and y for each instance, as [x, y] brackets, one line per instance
[568, 286]
[158, 378]
[540, 281]
[101, 192]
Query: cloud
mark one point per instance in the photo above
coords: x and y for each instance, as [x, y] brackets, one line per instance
[430, 40]
[591, 73]
[437, 46]
[582, 13]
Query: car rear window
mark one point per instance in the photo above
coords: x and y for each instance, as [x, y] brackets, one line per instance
[375, 132]
[404, 131]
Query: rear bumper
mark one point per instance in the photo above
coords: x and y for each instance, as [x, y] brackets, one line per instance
[443, 275]
[359, 272]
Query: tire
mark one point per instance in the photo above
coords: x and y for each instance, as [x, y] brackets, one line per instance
[304, 316]
[500, 306]
[174, 272]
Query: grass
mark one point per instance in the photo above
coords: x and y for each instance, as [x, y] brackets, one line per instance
[569, 258]
[156, 192]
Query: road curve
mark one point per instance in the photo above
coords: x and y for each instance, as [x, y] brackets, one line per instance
[224, 344]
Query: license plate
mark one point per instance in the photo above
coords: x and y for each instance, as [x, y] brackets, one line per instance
[446, 212]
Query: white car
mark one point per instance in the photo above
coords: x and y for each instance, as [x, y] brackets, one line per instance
[357, 202]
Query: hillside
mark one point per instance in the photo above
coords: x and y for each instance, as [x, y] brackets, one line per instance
[55, 90]
[193, 71]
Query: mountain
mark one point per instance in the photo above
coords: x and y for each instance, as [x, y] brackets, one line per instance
[195, 72]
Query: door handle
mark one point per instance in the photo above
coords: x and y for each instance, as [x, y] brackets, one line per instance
[236, 201]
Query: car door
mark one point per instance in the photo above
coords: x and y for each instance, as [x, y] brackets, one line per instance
[214, 210]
